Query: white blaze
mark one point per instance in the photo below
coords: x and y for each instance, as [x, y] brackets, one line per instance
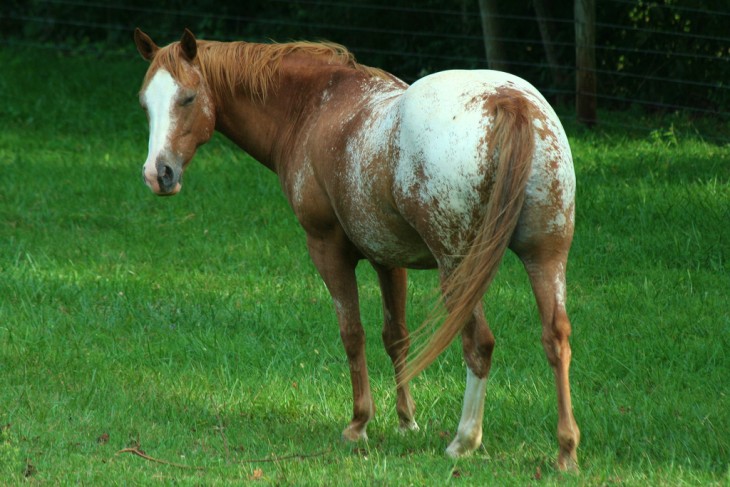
[159, 97]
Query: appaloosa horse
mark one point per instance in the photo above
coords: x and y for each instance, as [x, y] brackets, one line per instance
[446, 173]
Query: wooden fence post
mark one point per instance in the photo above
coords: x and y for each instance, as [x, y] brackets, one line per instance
[490, 32]
[560, 75]
[585, 61]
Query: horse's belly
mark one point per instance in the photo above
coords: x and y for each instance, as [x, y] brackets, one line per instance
[399, 254]
[388, 240]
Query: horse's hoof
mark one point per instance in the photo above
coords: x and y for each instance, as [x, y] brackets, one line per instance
[353, 434]
[567, 463]
[407, 427]
[458, 450]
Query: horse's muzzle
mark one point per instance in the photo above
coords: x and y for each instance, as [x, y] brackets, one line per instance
[167, 180]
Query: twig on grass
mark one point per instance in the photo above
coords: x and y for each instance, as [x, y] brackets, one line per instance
[136, 451]
[295, 456]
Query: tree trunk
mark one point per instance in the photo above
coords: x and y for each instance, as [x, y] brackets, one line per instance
[490, 31]
[585, 61]
[547, 34]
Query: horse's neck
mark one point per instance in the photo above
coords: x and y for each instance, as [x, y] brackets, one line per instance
[270, 129]
[250, 124]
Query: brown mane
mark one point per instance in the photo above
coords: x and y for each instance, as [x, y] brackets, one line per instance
[254, 67]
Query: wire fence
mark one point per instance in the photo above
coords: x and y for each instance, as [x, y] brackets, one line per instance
[670, 68]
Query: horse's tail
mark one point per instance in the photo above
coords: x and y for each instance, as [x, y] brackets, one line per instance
[513, 140]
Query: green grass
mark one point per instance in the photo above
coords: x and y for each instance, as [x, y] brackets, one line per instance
[196, 328]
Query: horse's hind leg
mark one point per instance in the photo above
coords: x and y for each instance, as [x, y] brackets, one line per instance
[477, 343]
[393, 283]
[547, 276]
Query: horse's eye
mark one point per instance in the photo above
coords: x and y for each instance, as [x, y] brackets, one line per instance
[187, 100]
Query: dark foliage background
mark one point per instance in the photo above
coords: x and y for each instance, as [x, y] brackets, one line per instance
[664, 55]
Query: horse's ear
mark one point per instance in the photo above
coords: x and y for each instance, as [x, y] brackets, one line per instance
[189, 45]
[146, 46]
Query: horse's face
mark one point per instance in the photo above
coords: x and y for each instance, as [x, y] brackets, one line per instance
[179, 108]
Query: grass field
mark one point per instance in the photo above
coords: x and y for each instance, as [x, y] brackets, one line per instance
[196, 329]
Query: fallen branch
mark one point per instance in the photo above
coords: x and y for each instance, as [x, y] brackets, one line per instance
[295, 456]
[136, 451]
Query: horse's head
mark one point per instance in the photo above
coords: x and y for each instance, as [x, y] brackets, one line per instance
[179, 108]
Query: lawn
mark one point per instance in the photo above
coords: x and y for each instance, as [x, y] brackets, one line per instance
[194, 330]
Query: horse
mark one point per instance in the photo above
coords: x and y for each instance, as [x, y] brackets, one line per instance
[446, 174]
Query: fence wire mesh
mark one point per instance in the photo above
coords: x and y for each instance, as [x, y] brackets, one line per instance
[652, 57]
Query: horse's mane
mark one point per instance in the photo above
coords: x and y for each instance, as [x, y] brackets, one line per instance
[254, 67]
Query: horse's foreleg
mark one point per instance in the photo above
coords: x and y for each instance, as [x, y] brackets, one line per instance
[547, 275]
[477, 343]
[393, 284]
[336, 261]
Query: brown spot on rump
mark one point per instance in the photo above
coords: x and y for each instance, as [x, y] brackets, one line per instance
[542, 129]
[556, 194]
[477, 100]
[554, 162]
[554, 147]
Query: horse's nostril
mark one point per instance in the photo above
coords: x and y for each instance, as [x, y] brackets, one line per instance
[166, 177]
[167, 173]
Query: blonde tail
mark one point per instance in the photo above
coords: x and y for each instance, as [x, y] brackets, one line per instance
[513, 137]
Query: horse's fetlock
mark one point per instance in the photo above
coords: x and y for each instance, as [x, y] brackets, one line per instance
[568, 438]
